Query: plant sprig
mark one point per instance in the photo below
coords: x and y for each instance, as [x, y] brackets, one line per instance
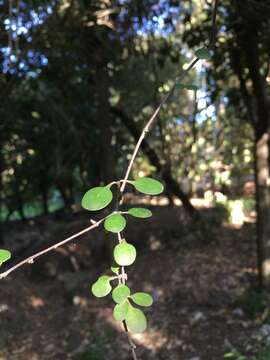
[124, 253]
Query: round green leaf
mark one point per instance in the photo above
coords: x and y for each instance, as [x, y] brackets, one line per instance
[5, 255]
[120, 293]
[203, 53]
[142, 299]
[102, 286]
[124, 254]
[115, 269]
[148, 186]
[135, 320]
[181, 86]
[115, 223]
[97, 198]
[120, 311]
[140, 212]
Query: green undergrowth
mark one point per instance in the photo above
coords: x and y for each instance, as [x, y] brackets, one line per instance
[96, 350]
[91, 354]
[254, 302]
[236, 355]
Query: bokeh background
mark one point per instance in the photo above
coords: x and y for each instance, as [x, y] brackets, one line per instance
[78, 80]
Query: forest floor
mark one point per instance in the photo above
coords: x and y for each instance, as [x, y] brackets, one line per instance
[196, 279]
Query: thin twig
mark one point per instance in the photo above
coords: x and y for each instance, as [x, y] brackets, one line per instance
[131, 343]
[214, 25]
[152, 119]
[123, 282]
[10, 7]
[139, 142]
[31, 258]
[167, 96]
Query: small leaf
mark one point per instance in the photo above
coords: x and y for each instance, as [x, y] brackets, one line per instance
[140, 212]
[142, 299]
[203, 53]
[148, 186]
[102, 286]
[120, 293]
[115, 223]
[115, 269]
[97, 198]
[120, 311]
[124, 254]
[5, 255]
[135, 320]
[181, 86]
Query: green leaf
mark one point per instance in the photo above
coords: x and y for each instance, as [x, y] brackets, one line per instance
[5, 255]
[181, 86]
[120, 311]
[203, 53]
[102, 286]
[148, 186]
[140, 212]
[142, 299]
[115, 223]
[135, 320]
[120, 293]
[124, 254]
[97, 198]
[115, 269]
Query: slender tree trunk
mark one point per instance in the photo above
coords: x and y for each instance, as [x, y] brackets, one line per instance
[18, 201]
[44, 195]
[104, 119]
[261, 124]
[106, 149]
[247, 100]
[263, 208]
[66, 196]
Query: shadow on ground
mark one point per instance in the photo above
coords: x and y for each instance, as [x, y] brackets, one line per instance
[47, 311]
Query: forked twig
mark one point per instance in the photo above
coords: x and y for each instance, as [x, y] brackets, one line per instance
[30, 259]
[151, 120]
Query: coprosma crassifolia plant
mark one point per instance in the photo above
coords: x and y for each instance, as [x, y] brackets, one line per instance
[128, 306]
[124, 253]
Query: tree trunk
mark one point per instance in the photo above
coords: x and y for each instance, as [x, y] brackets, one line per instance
[106, 159]
[261, 124]
[166, 174]
[263, 208]
[65, 194]
[44, 195]
[104, 122]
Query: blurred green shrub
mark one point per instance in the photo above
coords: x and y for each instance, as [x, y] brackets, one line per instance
[253, 301]
[205, 228]
[262, 355]
[249, 205]
[91, 354]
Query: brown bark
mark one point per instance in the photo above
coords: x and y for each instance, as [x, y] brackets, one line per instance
[247, 100]
[104, 119]
[106, 151]
[248, 41]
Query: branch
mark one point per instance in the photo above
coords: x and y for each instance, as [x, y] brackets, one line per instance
[171, 184]
[152, 119]
[214, 25]
[31, 258]
[167, 97]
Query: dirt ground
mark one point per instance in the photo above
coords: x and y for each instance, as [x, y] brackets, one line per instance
[48, 312]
